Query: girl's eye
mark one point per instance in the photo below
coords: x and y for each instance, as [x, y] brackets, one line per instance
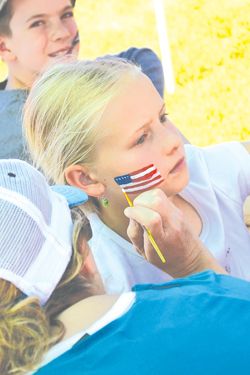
[164, 117]
[68, 15]
[141, 139]
[37, 23]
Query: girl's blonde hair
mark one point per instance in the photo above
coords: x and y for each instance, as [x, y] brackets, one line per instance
[28, 330]
[64, 108]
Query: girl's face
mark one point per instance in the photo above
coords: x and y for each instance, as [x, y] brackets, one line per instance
[42, 31]
[137, 134]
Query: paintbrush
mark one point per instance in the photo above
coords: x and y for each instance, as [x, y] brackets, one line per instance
[137, 182]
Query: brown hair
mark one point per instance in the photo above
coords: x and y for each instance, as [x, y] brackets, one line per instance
[28, 330]
[6, 14]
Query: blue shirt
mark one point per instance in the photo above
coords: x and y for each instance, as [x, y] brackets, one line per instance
[199, 325]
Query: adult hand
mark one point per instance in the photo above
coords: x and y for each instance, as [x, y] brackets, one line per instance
[184, 252]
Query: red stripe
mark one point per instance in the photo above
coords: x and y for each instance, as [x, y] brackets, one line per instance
[141, 170]
[145, 177]
[143, 183]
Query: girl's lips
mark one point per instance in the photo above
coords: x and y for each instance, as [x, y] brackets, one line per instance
[178, 166]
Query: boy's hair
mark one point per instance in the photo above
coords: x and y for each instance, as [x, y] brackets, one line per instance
[6, 13]
[64, 108]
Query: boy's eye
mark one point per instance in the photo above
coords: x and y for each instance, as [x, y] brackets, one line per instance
[141, 139]
[164, 117]
[37, 23]
[68, 15]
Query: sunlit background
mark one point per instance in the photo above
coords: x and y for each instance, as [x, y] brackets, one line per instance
[210, 49]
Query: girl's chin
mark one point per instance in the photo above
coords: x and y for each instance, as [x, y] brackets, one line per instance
[175, 188]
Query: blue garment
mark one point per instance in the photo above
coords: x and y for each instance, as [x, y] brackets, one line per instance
[11, 138]
[150, 65]
[12, 102]
[199, 325]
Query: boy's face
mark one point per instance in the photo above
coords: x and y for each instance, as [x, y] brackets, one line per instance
[42, 31]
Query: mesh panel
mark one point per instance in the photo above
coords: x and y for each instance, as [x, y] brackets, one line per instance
[23, 245]
[15, 178]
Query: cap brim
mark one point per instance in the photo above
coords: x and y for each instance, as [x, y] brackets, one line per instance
[73, 195]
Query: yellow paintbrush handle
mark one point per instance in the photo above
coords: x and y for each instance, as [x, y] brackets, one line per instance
[155, 246]
[150, 236]
[128, 199]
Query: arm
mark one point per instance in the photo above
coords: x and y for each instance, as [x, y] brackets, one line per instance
[246, 210]
[150, 65]
[185, 254]
[246, 144]
[12, 143]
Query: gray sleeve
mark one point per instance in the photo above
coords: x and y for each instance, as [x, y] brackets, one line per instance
[150, 64]
[11, 138]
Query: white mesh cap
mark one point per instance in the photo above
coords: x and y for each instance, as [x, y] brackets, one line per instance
[35, 230]
[2, 3]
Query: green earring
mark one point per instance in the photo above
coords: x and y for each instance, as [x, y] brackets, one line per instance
[104, 202]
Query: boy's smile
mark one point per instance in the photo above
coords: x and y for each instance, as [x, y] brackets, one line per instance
[42, 31]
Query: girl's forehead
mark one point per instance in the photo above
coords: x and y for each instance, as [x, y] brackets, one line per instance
[136, 102]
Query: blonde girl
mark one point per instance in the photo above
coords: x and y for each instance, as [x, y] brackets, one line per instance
[88, 122]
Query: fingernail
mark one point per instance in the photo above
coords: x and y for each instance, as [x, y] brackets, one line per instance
[126, 212]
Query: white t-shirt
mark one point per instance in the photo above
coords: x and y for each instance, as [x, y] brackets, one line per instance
[219, 184]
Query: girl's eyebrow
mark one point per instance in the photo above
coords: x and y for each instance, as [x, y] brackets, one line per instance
[149, 122]
[68, 7]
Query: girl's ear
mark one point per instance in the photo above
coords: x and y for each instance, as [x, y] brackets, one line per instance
[5, 52]
[79, 176]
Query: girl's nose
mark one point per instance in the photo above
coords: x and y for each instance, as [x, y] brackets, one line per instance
[170, 139]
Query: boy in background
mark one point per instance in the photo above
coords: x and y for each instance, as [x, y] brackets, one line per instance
[33, 35]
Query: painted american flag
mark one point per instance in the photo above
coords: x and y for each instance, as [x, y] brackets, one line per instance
[140, 180]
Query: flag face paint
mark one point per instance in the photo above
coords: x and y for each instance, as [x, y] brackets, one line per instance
[141, 180]
[137, 182]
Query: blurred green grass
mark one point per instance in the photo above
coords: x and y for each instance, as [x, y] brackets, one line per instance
[210, 46]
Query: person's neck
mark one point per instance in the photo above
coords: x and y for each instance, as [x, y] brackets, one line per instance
[114, 218]
[84, 313]
[13, 84]
[18, 80]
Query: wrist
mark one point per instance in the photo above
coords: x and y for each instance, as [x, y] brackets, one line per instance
[202, 261]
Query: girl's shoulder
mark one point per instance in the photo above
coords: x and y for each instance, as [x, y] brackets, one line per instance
[212, 152]
[226, 166]
[225, 157]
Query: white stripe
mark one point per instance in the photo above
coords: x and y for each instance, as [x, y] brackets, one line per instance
[143, 173]
[141, 182]
[152, 183]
